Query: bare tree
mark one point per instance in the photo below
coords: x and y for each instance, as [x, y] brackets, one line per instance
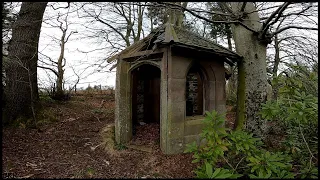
[125, 24]
[113, 26]
[57, 66]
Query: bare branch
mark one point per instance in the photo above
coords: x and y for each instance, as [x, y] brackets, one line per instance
[72, 32]
[48, 57]
[61, 7]
[206, 19]
[266, 24]
[295, 27]
[52, 70]
[243, 6]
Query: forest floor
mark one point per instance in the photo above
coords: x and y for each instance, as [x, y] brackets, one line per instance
[68, 144]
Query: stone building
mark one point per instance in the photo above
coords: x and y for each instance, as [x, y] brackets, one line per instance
[172, 77]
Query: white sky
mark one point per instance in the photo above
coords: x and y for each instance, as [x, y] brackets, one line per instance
[81, 62]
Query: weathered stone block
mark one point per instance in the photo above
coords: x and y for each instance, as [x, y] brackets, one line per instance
[176, 130]
[193, 129]
[179, 67]
[177, 111]
[177, 89]
[220, 91]
[191, 138]
[193, 125]
[212, 105]
[175, 145]
[212, 90]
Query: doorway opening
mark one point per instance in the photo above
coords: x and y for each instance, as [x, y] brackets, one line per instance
[146, 105]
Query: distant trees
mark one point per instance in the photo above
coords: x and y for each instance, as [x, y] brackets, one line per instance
[21, 66]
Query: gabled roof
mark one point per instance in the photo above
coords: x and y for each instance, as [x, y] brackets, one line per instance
[168, 33]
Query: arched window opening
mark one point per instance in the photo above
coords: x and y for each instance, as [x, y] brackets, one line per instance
[194, 92]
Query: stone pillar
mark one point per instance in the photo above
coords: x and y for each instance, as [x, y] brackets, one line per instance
[164, 102]
[176, 115]
[177, 103]
[123, 123]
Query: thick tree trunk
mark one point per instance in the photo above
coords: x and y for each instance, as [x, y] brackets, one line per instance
[254, 66]
[21, 68]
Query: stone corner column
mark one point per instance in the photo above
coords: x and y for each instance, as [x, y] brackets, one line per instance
[123, 124]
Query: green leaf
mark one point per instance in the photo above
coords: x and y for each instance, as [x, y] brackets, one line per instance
[252, 176]
[254, 168]
[246, 146]
[224, 176]
[279, 164]
[261, 174]
[290, 176]
[208, 169]
[268, 175]
[235, 176]
[216, 172]
[195, 161]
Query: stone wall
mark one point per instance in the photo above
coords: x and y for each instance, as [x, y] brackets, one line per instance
[184, 129]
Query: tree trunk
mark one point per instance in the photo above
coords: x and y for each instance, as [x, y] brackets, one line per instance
[59, 94]
[254, 66]
[22, 63]
[275, 87]
[180, 14]
[240, 114]
[140, 18]
[232, 81]
[176, 15]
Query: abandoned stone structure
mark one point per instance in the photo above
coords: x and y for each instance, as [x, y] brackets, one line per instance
[172, 77]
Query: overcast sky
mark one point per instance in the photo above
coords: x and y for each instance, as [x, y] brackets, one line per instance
[82, 63]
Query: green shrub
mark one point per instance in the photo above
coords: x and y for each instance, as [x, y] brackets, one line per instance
[296, 113]
[232, 154]
[270, 165]
[214, 134]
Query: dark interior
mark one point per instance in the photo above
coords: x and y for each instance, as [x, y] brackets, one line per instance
[146, 95]
[194, 92]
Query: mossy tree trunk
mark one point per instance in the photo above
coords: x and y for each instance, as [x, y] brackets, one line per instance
[254, 69]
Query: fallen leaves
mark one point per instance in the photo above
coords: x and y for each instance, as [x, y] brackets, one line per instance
[66, 150]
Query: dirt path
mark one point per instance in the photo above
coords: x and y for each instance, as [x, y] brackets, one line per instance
[69, 148]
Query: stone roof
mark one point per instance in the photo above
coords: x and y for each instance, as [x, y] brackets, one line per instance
[167, 33]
